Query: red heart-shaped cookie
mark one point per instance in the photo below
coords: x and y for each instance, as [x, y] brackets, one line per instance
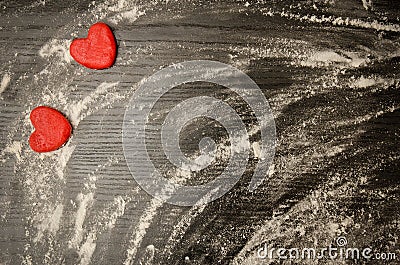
[98, 50]
[52, 129]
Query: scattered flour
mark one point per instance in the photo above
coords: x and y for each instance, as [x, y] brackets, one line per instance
[148, 256]
[90, 185]
[87, 249]
[280, 229]
[366, 117]
[184, 223]
[334, 150]
[56, 47]
[242, 144]
[5, 82]
[180, 176]
[256, 149]
[367, 4]
[120, 204]
[336, 21]
[50, 223]
[140, 230]
[118, 10]
[363, 82]
[106, 220]
[85, 202]
[64, 156]
[326, 58]
[129, 16]
[15, 148]
[75, 109]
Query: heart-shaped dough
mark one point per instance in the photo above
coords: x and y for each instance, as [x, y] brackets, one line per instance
[98, 50]
[52, 129]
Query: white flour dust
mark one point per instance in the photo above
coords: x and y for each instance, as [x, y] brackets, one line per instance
[5, 81]
[85, 201]
[327, 58]
[332, 20]
[77, 111]
[130, 16]
[58, 48]
[367, 4]
[50, 224]
[87, 249]
[14, 148]
[140, 229]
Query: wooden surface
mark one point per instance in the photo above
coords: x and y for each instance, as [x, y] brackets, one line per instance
[329, 69]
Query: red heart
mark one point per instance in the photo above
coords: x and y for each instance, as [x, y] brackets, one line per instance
[98, 50]
[52, 129]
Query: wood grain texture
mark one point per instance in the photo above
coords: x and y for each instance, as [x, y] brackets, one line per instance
[333, 88]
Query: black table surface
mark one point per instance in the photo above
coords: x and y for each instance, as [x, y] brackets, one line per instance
[330, 72]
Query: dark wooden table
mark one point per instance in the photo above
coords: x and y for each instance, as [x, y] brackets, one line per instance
[329, 69]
